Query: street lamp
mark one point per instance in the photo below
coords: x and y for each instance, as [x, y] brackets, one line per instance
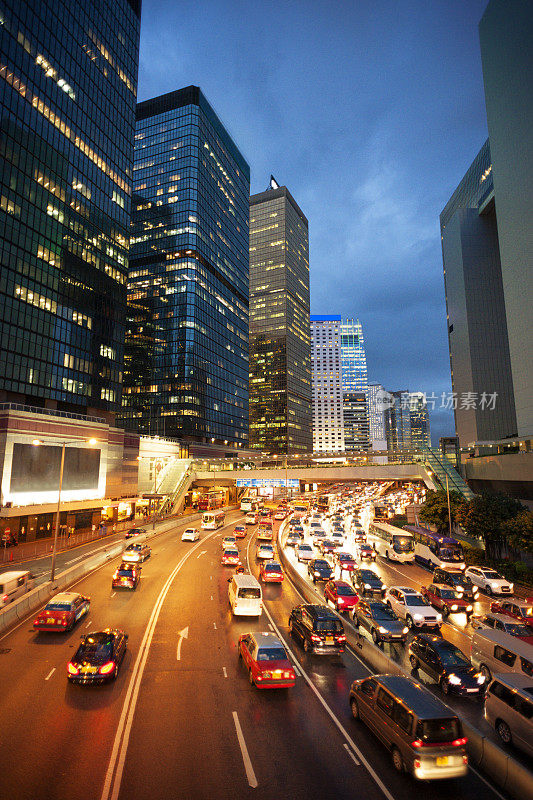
[38, 443]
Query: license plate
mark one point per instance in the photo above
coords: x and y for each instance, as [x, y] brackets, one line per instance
[329, 639]
[51, 621]
[90, 670]
[277, 673]
[442, 761]
[471, 691]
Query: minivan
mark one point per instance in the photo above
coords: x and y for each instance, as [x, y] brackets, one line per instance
[245, 596]
[497, 651]
[509, 709]
[14, 585]
[425, 737]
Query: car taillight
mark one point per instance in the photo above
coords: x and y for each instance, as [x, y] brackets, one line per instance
[417, 743]
[115, 576]
[289, 674]
[64, 621]
[465, 759]
[417, 763]
[315, 638]
[5, 598]
[460, 742]
[72, 669]
[341, 638]
[105, 669]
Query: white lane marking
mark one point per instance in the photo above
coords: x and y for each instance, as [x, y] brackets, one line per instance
[210, 577]
[250, 774]
[214, 625]
[50, 674]
[114, 593]
[211, 597]
[270, 626]
[296, 668]
[490, 785]
[73, 560]
[225, 671]
[89, 622]
[184, 634]
[115, 769]
[201, 554]
[351, 755]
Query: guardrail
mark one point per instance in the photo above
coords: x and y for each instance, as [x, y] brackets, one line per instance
[508, 773]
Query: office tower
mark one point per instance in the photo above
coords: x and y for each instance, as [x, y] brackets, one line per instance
[398, 421]
[376, 400]
[186, 371]
[328, 422]
[477, 323]
[506, 33]
[68, 77]
[355, 415]
[354, 373]
[419, 421]
[280, 341]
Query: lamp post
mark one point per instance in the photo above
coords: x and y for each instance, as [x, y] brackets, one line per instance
[449, 509]
[37, 443]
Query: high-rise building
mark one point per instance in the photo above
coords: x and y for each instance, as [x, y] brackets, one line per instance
[68, 78]
[355, 415]
[186, 372]
[376, 396]
[419, 421]
[280, 341]
[506, 32]
[354, 372]
[326, 369]
[477, 322]
[398, 421]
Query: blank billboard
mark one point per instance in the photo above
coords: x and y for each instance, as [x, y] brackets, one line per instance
[36, 468]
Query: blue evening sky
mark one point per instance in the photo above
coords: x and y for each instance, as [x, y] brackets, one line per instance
[370, 112]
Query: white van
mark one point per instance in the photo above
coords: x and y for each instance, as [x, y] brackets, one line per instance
[14, 585]
[245, 596]
[497, 651]
[509, 709]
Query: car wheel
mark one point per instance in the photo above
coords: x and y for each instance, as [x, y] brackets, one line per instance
[445, 610]
[387, 555]
[375, 637]
[397, 760]
[410, 623]
[444, 686]
[389, 605]
[504, 732]
[414, 662]
[486, 672]
[355, 708]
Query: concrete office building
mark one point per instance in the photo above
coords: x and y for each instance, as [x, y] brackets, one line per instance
[376, 395]
[280, 340]
[326, 370]
[186, 371]
[355, 415]
[68, 82]
[506, 33]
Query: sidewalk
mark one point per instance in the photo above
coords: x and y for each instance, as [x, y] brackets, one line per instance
[26, 551]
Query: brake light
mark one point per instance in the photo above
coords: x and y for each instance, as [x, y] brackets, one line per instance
[460, 742]
[417, 743]
[105, 669]
[5, 598]
[417, 763]
[341, 638]
[64, 621]
[465, 759]
[315, 638]
[72, 669]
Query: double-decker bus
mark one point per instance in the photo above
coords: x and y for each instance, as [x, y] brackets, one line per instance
[434, 550]
[391, 542]
[210, 500]
[211, 520]
[249, 504]
[323, 502]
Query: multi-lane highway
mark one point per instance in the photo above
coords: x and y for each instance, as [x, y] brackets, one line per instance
[182, 720]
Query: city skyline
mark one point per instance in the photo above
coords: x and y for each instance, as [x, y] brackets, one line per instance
[398, 127]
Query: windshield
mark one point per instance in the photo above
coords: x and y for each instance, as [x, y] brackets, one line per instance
[451, 553]
[58, 607]
[97, 648]
[402, 544]
[436, 731]
[518, 630]
[490, 573]
[448, 594]
[324, 625]
[272, 654]
[345, 591]
[453, 657]
[305, 547]
[273, 568]
[249, 593]
[231, 553]
[415, 600]
[125, 573]
[382, 612]
[322, 565]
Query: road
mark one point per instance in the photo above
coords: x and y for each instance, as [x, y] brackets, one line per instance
[182, 720]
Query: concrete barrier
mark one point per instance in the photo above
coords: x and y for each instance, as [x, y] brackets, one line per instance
[504, 770]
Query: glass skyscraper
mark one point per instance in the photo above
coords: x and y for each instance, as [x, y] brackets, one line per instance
[68, 77]
[186, 368]
[328, 421]
[354, 372]
[280, 339]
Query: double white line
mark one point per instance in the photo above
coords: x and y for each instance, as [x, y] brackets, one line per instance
[115, 769]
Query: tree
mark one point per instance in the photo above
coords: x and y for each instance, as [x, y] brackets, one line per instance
[486, 515]
[519, 531]
[435, 510]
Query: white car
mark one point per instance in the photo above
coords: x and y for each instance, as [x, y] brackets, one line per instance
[229, 541]
[489, 580]
[190, 535]
[265, 551]
[411, 606]
[304, 552]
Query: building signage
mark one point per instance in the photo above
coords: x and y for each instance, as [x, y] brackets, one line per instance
[294, 483]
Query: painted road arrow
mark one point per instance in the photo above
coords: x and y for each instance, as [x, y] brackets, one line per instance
[184, 634]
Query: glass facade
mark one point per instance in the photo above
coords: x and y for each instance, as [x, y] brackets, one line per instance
[280, 340]
[355, 413]
[419, 419]
[354, 372]
[68, 77]
[328, 421]
[186, 364]
[376, 415]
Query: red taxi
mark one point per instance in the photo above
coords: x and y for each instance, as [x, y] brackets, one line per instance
[341, 595]
[447, 599]
[62, 612]
[345, 561]
[266, 661]
[127, 576]
[265, 530]
[239, 531]
[271, 572]
[230, 557]
[521, 610]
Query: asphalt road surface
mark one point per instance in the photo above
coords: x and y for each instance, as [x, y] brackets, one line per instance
[182, 720]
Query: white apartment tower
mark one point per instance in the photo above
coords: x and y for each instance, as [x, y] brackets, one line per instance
[328, 421]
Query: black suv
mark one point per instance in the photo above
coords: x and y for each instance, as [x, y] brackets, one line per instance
[457, 580]
[446, 664]
[318, 628]
[320, 570]
[368, 583]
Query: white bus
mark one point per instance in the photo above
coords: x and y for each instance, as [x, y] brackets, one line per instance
[390, 542]
[212, 520]
[249, 504]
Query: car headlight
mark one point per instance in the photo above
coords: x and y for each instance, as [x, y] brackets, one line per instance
[469, 608]
[454, 679]
[418, 616]
[480, 678]
[462, 566]
[439, 617]
[460, 588]
[317, 574]
[405, 630]
[382, 629]
[493, 585]
[454, 607]
[367, 586]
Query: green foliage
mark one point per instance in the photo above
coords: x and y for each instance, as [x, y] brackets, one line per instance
[474, 556]
[519, 531]
[486, 515]
[399, 520]
[435, 510]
